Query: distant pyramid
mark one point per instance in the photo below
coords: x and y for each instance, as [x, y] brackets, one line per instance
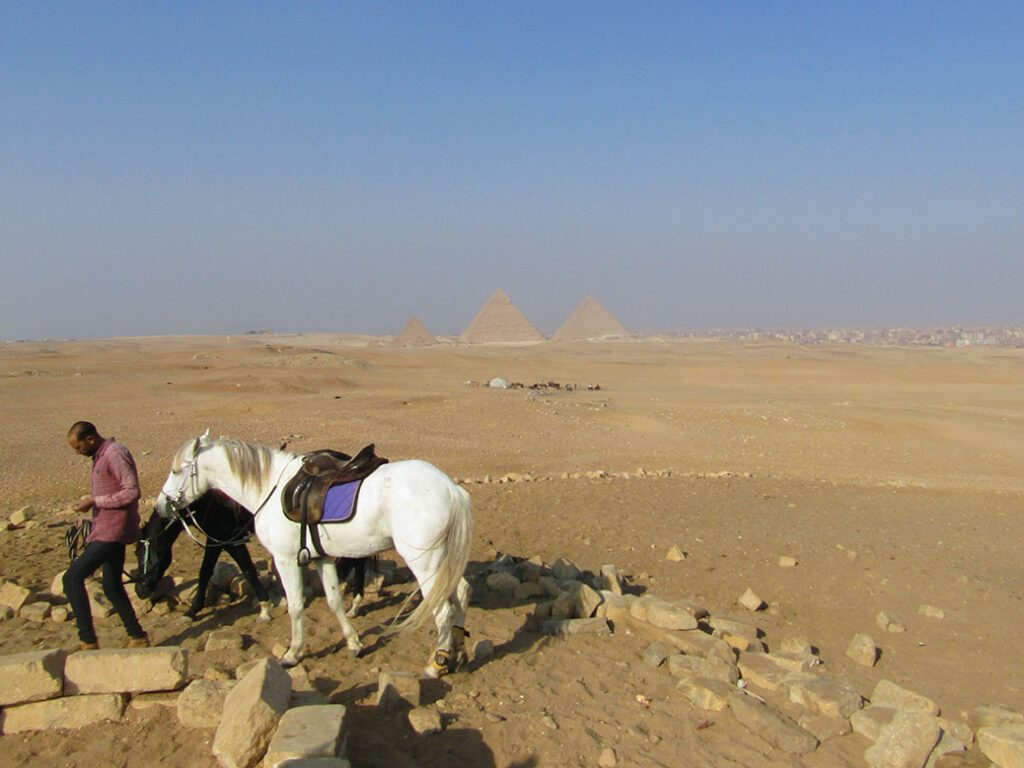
[590, 321]
[415, 334]
[500, 321]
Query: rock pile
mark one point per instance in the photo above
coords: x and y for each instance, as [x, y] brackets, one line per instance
[725, 662]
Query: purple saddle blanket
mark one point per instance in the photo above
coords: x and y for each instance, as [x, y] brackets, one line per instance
[340, 504]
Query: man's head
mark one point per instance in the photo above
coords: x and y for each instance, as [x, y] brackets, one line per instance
[84, 439]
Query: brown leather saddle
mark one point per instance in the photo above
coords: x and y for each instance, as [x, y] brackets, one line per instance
[303, 497]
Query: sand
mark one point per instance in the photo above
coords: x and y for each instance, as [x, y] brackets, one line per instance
[891, 475]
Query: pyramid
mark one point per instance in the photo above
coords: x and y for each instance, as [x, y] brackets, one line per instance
[590, 321]
[500, 321]
[415, 334]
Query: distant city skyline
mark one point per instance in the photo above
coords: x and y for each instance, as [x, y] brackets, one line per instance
[196, 168]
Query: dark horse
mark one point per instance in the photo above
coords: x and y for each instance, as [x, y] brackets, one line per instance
[227, 527]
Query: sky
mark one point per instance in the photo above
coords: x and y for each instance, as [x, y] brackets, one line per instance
[212, 167]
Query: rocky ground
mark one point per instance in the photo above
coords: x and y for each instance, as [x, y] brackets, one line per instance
[887, 475]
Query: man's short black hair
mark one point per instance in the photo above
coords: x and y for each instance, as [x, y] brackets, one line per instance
[83, 429]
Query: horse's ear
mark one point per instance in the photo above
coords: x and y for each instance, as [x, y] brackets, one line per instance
[205, 435]
[195, 447]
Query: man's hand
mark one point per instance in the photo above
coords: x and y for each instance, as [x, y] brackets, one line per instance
[83, 505]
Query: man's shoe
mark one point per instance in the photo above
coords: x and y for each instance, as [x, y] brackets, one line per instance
[88, 646]
[138, 642]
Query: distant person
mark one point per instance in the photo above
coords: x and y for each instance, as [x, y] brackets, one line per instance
[114, 501]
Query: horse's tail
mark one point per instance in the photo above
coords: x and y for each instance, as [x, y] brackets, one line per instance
[456, 538]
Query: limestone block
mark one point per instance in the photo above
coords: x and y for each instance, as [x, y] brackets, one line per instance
[397, 688]
[57, 585]
[31, 676]
[251, 713]
[888, 694]
[425, 720]
[307, 732]
[22, 515]
[795, 662]
[948, 745]
[712, 695]
[201, 703]
[587, 600]
[675, 554]
[1003, 745]
[615, 607]
[826, 695]
[870, 721]
[563, 568]
[992, 714]
[733, 625]
[760, 669]
[502, 582]
[224, 640]
[143, 701]
[37, 611]
[304, 693]
[958, 729]
[823, 727]
[906, 741]
[700, 643]
[665, 615]
[682, 666]
[68, 712]
[59, 613]
[771, 725]
[526, 590]
[751, 601]
[889, 623]
[611, 579]
[597, 626]
[530, 570]
[796, 643]
[13, 595]
[162, 668]
[862, 649]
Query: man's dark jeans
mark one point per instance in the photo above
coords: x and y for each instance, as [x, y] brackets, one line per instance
[110, 555]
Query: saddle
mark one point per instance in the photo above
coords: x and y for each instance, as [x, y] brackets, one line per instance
[303, 497]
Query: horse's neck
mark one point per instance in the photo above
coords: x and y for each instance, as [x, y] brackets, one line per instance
[251, 496]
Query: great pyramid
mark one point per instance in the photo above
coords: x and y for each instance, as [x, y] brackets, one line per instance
[590, 321]
[500, 322]
[415, 334]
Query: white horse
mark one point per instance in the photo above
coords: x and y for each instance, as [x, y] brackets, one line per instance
[409, 505]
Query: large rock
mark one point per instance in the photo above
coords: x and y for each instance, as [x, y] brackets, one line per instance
[1003, 745]
[398, 688]
[251, 713]
[307, 732]
[13, 595]
[31, 676]
[825, 695]
[706, 693]
[906, 742]
[201, 704]
[889, 694]
[771, 725]
[68, 712]
[596, 626]
[163, 668]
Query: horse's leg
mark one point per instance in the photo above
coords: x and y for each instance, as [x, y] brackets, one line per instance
[460, 604]
[240, 554]
[448, 648]
[332, 590]
[358, 568]
[210, 555]
[291, 580]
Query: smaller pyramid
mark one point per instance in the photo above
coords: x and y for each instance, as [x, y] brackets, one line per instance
[500, 322]
[415, 334]
[591, 321]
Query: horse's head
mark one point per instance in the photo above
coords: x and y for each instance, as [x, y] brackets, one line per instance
[153, 552]
[186, 482]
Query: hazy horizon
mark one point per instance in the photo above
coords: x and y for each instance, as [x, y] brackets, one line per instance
[194, 168]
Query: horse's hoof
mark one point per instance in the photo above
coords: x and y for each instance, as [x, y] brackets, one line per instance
[264, 617]
[289, 661]
[353, 653]
[431, 672]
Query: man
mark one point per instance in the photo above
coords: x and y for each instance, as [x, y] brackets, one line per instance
[114, 501]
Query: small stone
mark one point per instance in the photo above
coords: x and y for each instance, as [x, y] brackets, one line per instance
[483, 650]
[21, 516]
[608, 758]
[751, 601]
[887, 623]
[655, 654]
[13, 595]
[549, 722]
[38, 611]
[931, 612]
[862, 650]
[787, 561]
[611, 579]
[675, 554]
[425, 720]
[502, 582]
[59, 614]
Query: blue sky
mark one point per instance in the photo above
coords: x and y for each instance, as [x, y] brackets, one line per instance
[302, 167]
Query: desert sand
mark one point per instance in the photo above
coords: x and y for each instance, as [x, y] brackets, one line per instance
[891, 475]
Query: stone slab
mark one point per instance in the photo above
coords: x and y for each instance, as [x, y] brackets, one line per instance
[141, 670]
[31, 676]
[68, 712]
[306, 732]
